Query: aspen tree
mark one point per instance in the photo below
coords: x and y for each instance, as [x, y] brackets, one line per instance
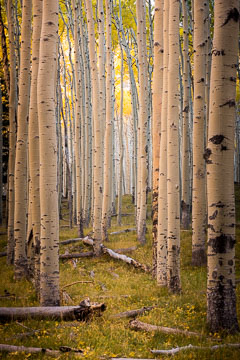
[162, 188]
[185, 203]
[106, 210]
[33, 139]
[120, 128]
[97, 155]
[173, 263]
[102, 77]
[221, 296]
[12, 132]
[143, 118]
[49, 253]
[20, 208]
[199, 189]
[78, 119]
[1, 143]
[156, 120]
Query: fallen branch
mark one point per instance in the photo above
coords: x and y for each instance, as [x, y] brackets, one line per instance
[115, 255]
[69, 241]
[133, 313]
[138, 325]
[122, 231]
[126, 259]
[81, 313]
[176, 350]
[31, 350]
[3, 253]
[76, 255]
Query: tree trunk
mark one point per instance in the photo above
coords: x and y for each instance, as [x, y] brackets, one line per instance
[20, 208]
[106, 211]
[199, 177]
[156, 121]
[185, 203]
[162, 192]
[173, 264]
[97, 155]
[221, 296]
[143, 118]
[49, 266]
[12, 131]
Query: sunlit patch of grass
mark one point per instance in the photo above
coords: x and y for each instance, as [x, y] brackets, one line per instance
[121, 288]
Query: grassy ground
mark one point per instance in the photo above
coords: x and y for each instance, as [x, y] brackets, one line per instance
[122, 288]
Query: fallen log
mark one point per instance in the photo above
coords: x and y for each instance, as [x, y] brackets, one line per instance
[82, 312]
[31, 350]
[139, 325]
[70, 241]
[76, 255]
[176, 350]
[122, 231]
[115, 255]
[126, 259]
[133, 313]
[3, 253]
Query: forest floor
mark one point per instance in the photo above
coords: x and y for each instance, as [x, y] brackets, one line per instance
[121, 287]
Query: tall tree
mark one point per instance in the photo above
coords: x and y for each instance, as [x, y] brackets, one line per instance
[106, 211]
[143, 119]
[221, 296]
[156, 121]
[199, 177]
[173, 186]
[162, 189]
[97, 154]
[20, 209]
[12, 131]
[185, 203]
[49, 253]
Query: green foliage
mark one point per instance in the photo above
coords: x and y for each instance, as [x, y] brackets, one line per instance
[121, 288]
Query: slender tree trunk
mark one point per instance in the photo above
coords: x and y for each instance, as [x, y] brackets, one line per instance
[49, 275]
[162, 189]
[199, 177]
[185, 203]
[20, 209]
[221, 296]
[156, 121]
[120, 177]
[12, 132]
[143, 119]
[97, 155]
[34, 165]
[1, 163]
[106, 211]
[173, 265]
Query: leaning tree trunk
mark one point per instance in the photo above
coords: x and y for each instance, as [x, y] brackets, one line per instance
[221, 297]
[12, 132]
[173, 265]
[199, 177]
[20, 209]
[156, 121]
[49, 267]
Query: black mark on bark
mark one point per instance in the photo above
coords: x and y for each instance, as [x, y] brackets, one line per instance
[232, 14]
